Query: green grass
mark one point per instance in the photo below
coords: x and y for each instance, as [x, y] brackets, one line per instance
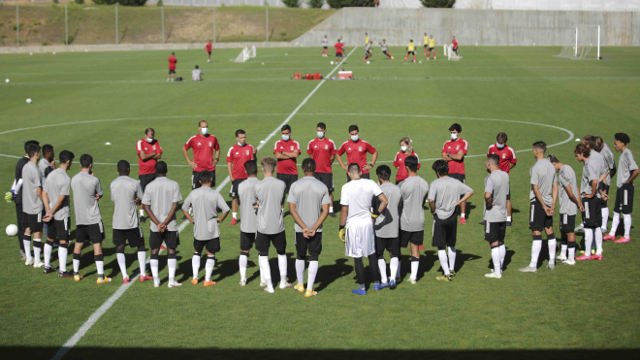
[589, 306]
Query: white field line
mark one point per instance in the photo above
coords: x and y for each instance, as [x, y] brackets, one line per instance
[73, 340]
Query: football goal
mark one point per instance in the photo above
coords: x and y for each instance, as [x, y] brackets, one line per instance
[582, 43]
[246, 54]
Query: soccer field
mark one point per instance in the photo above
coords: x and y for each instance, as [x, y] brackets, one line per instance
[83, 100]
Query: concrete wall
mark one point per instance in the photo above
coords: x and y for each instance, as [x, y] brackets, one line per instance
[471, 27]
[212, 3]
[583, 5]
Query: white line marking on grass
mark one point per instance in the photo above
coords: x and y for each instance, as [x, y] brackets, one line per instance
[73, 340]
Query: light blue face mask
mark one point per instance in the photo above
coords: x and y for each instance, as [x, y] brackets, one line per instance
[149, 140]
[285, 137]
[354, 137]
[320, 134]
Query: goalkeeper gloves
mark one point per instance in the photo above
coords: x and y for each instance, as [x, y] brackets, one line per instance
[342, 233]
[9, 196]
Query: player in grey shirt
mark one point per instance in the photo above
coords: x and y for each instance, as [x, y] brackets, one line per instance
[589, 192]
[445, 195]
[86, 193]
[32, 206]
[414, 191]
[624, 193]
[569, 205]
[269, 197]
[248, 214]
[160, 201]
[610, 162]
[542, 197]
[56, 205]
[496, 188]
[126, 194]
[387, 228]
[206, 202]
[309, 205]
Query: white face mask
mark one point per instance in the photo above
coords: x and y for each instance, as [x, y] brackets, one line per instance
[149, 140]
[240, 144]
[500, 146]
[204, 131]
[285, 137]
[320, 134]
[354, 137]
[403, 148]
[454, 136]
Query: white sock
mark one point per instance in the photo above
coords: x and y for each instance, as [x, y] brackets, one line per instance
[508, 218]
[153, 264]
[141, 212]
[382, 266]
[195, 265]
[265, 269]
[37, 249]
[598, 237]
[27, 247]
[208, 267]
[572, 253]
[76, 266]
[234, 215]
[62, 258]
[536, 246]
[503, 253]
[123, 265]
[393, 266]
[614, 223]
[414, 269]
[330, 209]
[100, 268]
[495, 257]
[282, 266]
[242, 263]
[299, 270]
[312, 272]
[588, 240]
[444, 262]
[171, 263]
[563, 250]
[605, 218]
[627, 225]
[47, 254]
[462, 215]
[551, 244]
[142, 262]
[452, 258]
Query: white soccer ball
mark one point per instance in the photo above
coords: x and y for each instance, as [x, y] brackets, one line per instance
[53, 53]
[368, 62]
[331, 62]
[11, 230]
[578, 140]
[7, 80]
[107, 143]
[28, 100]
[30, 53]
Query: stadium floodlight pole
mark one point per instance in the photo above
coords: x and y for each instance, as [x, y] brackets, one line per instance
[576, 48]
[598, 54]
[162, 20]
[66, 25]
[18, 24]
[267, 20]
[117, 23]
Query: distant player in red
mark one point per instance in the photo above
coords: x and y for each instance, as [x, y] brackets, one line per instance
[172, 67]
[453, 152]
[454, 44]
[206, 153]
[149, 152]
[357, 150]
[323, 151]
[339, 50]
[507, 162]
[406, 149]
[287, 152]
[238, 154]
[209, 48]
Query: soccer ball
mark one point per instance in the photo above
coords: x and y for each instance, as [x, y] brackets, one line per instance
[368, 62]
[28, 100]
[11, 230]
[331, 62]
[107, 143]
[7, 80]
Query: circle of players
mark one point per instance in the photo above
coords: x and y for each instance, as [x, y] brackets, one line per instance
[375, 216]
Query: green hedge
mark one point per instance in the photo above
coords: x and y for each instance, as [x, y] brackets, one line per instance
[336, 4]
[438, 3]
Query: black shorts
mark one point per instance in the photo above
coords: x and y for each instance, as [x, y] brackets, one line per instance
[93, 233]
[459, 177]
[411, 52]
[338, 55]
[392, 245]
[212, 245]
[195, 178]
[33, 222]
[172, 71]
[324, 48]
[445, 231]
[430, 48]
[538, 219]
[134, 236]
[145, 179]
[494, 231]
[288, 180]
[567, 223]
[327, 180]
[59, 229]
[247, 240]
[425, 46]
[170, 238]
[362, 176]
[414, 237]
[624, 199]
[234, 188]
[592, 217]
[312, 245]
[263, 241]
[209, 52]
[509, 194]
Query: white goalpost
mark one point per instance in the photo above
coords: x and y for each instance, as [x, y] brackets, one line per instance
[246, 54]
[582, 43]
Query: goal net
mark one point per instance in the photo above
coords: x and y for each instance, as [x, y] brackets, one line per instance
[451, 55]
[581, 42]
[246, 54]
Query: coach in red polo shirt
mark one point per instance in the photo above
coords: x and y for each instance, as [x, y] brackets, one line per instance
[287, 151]
[357, 150]
[206, 153]
[453, 152]
[149, 152]
[507, 162]
[323, 151]
[237, 156]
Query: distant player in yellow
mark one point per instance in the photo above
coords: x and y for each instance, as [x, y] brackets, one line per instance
[432, 47]
[366, 38]
[425, 42]
[411, 50]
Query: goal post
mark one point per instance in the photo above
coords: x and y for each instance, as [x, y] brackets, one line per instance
[246, 54]
[582, 43]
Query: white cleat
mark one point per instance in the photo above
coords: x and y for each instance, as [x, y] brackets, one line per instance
[561, 258]
[174, 284]
[28, 262]
[530, 269]
[579, 227]
[156, 284]
[263, 284]
[38, 264]
[493, 275]
[284, 285]
[551, 266]
[243, 282]
[269, 289]
[412, 281]
[569, 262]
